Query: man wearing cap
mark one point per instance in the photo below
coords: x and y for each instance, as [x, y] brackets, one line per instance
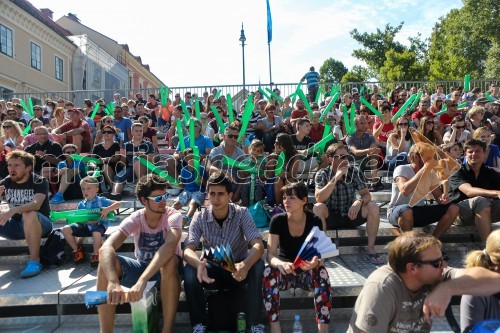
[312, 78]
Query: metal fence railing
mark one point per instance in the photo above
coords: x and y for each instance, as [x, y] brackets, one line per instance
[237, 92]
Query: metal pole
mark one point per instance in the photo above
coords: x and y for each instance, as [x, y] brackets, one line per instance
[270, 75]
[243, 40]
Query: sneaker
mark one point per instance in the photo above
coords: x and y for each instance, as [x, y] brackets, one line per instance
[174, 191]
[57, 198]
[33, 268]
[79, 256]
[258, 329]
[199, 328]
[94, 262]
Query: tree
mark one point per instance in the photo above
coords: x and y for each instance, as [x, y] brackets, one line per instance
[376, 45]
[465, 41]
[493, 62]
[332, 71]
[356, 74]
[402, 66]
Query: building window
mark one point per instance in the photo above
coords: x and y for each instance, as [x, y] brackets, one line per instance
[59, 68]
[6, 40]
[36, 56]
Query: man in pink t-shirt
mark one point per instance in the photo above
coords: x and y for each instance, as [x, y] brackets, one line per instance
[157, 231]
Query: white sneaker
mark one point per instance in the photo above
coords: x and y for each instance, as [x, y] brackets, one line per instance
[258, 329]
[199, 328]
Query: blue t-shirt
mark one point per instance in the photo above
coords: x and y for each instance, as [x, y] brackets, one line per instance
[494, 153]
[124, 125]
[97, 202]
[188, 178]
[312, 78]
[202, 142]
[76, 165]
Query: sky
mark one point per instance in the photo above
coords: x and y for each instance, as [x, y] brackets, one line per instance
[196, 42]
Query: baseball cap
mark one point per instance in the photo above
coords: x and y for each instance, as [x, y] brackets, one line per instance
[262, 101]
[353, 90]
[481, 100]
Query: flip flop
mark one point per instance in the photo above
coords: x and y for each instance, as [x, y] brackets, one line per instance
[375, 258]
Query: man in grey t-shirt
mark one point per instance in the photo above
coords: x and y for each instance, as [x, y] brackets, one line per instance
[406, 179]
[416, 286]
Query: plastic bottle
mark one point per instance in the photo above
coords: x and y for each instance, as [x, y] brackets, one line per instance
[297, 326]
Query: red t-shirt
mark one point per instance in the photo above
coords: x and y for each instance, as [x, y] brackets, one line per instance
[419, 115]
[299, 113]
[386, 130]
[69, 126]
[317, 134]
[446, 119]
[148, 135]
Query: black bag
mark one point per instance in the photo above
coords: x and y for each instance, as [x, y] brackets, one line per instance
[223, 308]
[52, 251]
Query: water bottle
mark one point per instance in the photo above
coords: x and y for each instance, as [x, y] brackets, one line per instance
[297, 326]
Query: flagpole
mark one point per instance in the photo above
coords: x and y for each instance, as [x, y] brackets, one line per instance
[270, 75]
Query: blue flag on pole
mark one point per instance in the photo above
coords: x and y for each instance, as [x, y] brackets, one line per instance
[269, 24]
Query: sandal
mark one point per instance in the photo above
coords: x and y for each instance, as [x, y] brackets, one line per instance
[375, 258]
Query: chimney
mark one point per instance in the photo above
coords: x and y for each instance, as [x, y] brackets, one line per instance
[73, 17]
[47, 12]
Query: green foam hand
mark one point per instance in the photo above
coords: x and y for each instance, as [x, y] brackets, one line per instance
[222, 127]
[280, 164]
[443, 110]
[86, 159]
[247, 114]
[26, 108]
[320, 145]
[404, 107]
[329, 106]
[153, 168]
[318, 95]
[27, 129]
[164, 96]
[196, 162]
[185, 112]
[352, 115]
[417, 99]
[348, 127]
[197, 109]
[467, 82]
[110, 109]
[96, 107]
[230, 108]
[370, 107]
[217, 95]
[191, 133]
[264, 94]
[180, 134]
[301, 95]
[278, 98]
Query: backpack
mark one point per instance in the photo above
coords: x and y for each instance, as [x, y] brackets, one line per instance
[52, 251]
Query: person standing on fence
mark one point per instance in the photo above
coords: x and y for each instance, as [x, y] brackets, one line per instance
[312, 78]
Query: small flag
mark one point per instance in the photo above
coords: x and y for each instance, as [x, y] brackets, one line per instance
[269, 24]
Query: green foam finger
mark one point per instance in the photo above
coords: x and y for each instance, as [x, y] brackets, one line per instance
[191, 133]
[306, 103]
[178, 127]
[153, 168]
[96, 107]
[230, 108]
[86, 159]
[274, 95]
[185, 112]
[27, 130]
[280, 164]
[264, 94]
[217, 95]
[370, 107]
[247, 114]
[197, 109]
[318, 95]
[404, 107]
[320, 144]
[222, 127]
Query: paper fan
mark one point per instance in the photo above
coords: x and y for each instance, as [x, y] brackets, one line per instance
[221, 257]
[315, 244]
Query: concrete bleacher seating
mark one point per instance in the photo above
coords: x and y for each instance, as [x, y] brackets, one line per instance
[57, 294]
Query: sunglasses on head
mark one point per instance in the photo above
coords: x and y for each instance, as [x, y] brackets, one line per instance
[158, 198]
[437, 263]
[108, 132]
[232, 136]
[403, 124]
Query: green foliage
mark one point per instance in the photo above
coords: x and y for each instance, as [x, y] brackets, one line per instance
[465, 41]
[356, 74]
[332, 70]
[376, 45]
[402, 66]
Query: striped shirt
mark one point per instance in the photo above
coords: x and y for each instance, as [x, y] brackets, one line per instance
[238, 230]
[312, 78]
[254, 119]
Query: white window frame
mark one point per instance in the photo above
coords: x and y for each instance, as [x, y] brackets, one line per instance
[7, 46]
[39, 61]
[57, 60]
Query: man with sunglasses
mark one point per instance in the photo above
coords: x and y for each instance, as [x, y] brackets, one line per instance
[451, 112]
[337, 206]
[423, 111]
[157, 231]
[415, 286]
[223, 224]
[124, 124]
[406, 179]
[47, 152]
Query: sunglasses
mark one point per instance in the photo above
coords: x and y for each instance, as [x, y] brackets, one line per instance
[108, 121]
[6, 127]
[342, 157]
[437, 263]
[232, 136]
[429, 123]
[403, 124]
[460, 127]
[69, 152]
[158, 198]
[108, 132]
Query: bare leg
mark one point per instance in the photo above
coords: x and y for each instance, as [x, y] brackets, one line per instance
[96, 241]
[68, 235]
[323, 328]
[193, 206]
[321, 211]
[372, 213]
[66, 178]
[446, 221]
[109, 173]
[170, 291]
[483, 223]
[405, 221]
[77, 141]
[32, 234]
[275, 327]
[107, 311]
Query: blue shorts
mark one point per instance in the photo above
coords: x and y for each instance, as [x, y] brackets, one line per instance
[185, 197]
[14, 228]
[87, 229]
[132, 270]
